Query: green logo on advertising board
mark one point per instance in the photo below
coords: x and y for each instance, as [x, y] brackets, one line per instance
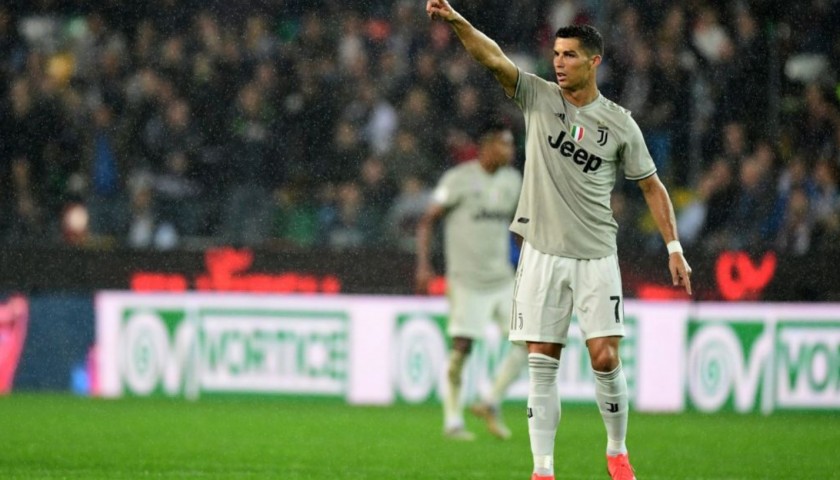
[726, 364]
[808, 362]
[190, 352]
[421, 353]
[749, 365]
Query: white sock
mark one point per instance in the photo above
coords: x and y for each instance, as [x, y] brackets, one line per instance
[543, 410]
[453, 411]
[611, 395]
[508, 372]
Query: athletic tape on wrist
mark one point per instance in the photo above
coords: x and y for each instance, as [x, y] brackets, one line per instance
[674, 247]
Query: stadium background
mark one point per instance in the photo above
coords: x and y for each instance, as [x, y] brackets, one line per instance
[283, 147]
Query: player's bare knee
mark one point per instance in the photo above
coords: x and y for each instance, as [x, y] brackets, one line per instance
[462, 344]
[604, 359]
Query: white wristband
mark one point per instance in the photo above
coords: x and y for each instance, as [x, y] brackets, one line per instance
[674, 247]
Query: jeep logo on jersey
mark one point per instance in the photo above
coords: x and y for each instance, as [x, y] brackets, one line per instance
[493, 215]
[580, 156]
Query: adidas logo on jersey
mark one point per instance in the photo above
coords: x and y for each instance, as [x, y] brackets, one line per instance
[580, 156]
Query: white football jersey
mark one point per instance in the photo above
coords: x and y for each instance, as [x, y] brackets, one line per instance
[572, 157]
[479, 208]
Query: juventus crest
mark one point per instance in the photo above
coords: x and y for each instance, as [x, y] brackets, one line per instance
[603, 135]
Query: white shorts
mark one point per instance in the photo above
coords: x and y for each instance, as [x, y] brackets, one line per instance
[471, 309]
[549, 288]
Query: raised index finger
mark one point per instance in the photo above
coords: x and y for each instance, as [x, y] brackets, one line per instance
[686, 278]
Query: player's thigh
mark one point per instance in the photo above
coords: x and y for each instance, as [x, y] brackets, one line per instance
[470, 310]
[599, 302]
[542, 302]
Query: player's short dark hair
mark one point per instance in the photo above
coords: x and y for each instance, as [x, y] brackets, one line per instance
[590, 38]
[491, 128]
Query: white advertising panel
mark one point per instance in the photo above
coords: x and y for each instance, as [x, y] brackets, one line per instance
[380, 350]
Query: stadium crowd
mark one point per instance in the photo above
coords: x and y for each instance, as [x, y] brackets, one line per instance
[169, 124]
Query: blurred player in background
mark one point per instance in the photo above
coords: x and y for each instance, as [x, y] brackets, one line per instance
[577, 141]
[477, 199]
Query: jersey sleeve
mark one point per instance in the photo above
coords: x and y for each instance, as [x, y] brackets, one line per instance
[635, 156]
[526, 90]
[446, 192]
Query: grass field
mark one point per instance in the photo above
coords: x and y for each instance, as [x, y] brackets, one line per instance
[60, 436]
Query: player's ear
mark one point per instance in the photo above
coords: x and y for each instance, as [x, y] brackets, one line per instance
[596, 60]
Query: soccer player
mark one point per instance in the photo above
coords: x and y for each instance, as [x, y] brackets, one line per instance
[477, 199]
[577, 141]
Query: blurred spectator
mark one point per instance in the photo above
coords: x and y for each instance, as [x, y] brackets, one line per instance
[706, 219]
[795, 235]
[145, 41]
[346, 223]
[172, 60]
[391, 72]
[142, 223]
[670, 115]
[207, 93]
[313, 41]
[107, 168]
[259, 42]
[407, 159]
[29, 129]
[817, 122]
[651, 93]
[469, 114]
[351, 48]
[378, 189]
[691, 219]
[744, 94]
[625, 212]
[428, 76]
[347, 150]
[626, 32]
[827, 195]
[376, 117]
[416, 116]
[251, 172]
[710, 38]
[747, 226]
[12, 48]
[177, 196]
[673, 31]
[729, 143]
[294, 218]
[403, 215]
[309, 117]
[170, 129]
[797, 174]
[98, 59]
[827, 234]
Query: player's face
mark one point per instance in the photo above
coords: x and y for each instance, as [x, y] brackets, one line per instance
[573, 67]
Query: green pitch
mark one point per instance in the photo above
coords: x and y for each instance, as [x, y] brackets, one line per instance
[58, 436]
